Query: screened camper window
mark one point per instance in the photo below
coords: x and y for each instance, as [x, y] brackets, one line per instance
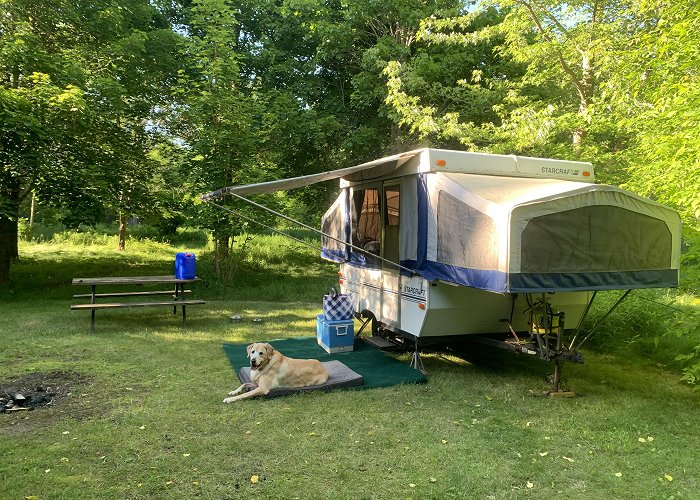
[466, 237]
[333, 225]
[366, 220]
[599, 238]
[391, 224]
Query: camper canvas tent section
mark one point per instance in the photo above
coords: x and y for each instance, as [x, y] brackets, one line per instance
[470, 224]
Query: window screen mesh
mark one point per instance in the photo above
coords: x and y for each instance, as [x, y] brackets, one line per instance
[366, 219]
[466, 236]
[333, 225]
[599, 238]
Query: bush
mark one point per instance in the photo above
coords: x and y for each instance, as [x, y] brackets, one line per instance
[659, 326]
[690, 261]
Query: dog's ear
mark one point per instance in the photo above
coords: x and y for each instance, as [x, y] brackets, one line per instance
[269, 350]
[249, 348]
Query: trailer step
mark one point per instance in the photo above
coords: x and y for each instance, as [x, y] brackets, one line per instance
[382, 343]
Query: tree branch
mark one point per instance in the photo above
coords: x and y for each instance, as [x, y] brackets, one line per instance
[594, 16]
[556, 22]
[26, 192]
[580, 88]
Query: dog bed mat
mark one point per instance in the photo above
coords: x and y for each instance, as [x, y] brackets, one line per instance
[378, 369]
[339, 375]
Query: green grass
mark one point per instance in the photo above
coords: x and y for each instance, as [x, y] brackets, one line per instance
[145, 418]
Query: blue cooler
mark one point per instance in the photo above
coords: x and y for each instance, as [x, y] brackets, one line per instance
[335, 336]
[185, 265]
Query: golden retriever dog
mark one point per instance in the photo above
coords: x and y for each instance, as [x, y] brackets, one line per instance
[270, 369]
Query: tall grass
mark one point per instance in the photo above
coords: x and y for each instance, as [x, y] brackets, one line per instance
[107, 234]
[271, 267]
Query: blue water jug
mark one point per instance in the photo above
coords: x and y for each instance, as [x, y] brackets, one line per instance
[185, 265]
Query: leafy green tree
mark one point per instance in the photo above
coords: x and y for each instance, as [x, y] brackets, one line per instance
[546, 65]
[78, 83]
[448, 92]
[655, 94]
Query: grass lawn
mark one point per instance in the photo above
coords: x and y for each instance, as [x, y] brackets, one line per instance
[140, 413]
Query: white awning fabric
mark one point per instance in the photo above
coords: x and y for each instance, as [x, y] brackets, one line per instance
[383, 166]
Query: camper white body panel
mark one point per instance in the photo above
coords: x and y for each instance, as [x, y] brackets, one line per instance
[420, 308]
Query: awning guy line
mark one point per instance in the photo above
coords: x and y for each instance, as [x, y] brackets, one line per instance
[238, 214]
[278, 214]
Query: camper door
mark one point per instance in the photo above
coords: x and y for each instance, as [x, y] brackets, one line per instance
[375, 229]
[366, 217]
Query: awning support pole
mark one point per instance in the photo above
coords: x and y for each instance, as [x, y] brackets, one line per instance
[258, 205]
[583, 317]
[619, 301]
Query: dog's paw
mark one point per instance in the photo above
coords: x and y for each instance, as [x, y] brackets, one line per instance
[229, 400]
[234, 393]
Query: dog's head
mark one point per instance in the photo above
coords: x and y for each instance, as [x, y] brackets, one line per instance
[259, 353]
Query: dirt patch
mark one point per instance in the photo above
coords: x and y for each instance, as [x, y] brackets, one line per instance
[36, 395]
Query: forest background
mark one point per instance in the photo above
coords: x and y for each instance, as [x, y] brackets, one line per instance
[133, 108]
[118, 110]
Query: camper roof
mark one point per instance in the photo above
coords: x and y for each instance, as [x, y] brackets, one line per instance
[428, 160]
[443, 160]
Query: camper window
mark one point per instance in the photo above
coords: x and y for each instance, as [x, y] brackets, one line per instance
[466, 237]
[334, 229]
[595, 239]
[366, 220]
[391, 223]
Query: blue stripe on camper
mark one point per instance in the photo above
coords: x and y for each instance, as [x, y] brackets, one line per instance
[334, 255]
[494, 281]
[348, 222]
[368, 260]
[622, 280]
[422, 236]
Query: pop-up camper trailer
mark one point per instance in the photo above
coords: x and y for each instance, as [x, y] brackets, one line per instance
[435, 244]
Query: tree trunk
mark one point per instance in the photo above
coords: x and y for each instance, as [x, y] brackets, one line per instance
[122, 232]
[8, 231]
[221, 252]
[32, 211]
[587, 82]
[5, 248]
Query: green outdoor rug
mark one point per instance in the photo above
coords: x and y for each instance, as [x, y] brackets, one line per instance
[377, 368]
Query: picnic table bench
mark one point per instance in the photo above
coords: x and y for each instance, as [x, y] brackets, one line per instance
[177, 294]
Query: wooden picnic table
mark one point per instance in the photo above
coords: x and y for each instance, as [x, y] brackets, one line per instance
[178, 293]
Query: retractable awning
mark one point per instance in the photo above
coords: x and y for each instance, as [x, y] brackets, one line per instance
[370, 169]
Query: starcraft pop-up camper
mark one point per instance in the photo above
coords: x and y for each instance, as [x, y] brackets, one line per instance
[435, 243]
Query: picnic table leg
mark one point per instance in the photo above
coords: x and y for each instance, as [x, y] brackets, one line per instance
[182, 295]
[92, 313]
[177, 288]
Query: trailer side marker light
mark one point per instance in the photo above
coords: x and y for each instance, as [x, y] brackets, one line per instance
[421, 306]
[440, 163]
[586, 173]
